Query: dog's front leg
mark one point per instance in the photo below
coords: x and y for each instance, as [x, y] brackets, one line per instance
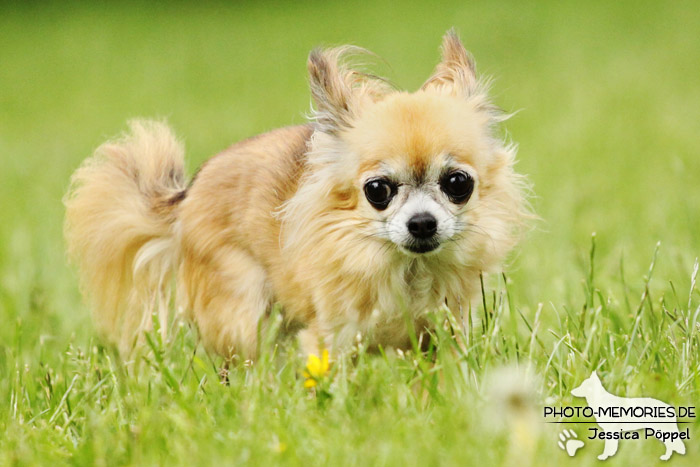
[319, 336]
[311, 340]
[609, 450]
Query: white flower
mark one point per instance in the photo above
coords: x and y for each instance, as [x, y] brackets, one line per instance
[511, 407]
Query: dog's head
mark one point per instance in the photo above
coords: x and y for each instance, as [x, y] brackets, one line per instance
[418, 174]
[588, 387]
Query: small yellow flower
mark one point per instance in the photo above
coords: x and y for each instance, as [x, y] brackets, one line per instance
[316, 369]
[281, 447]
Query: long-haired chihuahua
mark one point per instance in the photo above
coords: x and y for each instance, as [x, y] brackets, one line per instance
[386, 205]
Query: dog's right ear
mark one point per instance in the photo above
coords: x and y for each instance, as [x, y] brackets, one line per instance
[338, 90]
[331, 89]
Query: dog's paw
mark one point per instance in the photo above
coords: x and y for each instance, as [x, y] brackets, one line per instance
[569, 443]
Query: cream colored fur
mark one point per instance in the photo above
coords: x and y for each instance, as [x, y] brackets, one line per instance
[282, 218]
[121, 231]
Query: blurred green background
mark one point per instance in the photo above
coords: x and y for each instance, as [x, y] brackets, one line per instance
[607, 95]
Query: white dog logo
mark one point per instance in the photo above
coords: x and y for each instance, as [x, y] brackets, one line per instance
[608, 407]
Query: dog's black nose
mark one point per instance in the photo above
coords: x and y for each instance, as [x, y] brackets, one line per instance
[422, 225]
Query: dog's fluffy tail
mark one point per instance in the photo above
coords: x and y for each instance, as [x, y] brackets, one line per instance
[121, 229]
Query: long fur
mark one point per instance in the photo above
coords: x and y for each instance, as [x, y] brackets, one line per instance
[120, 228]
[282, 218]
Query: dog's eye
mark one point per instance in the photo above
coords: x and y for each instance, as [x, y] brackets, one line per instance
[379, 193]
[458, 186]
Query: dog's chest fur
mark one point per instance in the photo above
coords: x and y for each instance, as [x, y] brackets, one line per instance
[384, 308]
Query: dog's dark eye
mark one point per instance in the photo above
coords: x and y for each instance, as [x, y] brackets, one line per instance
[458, 186]
[379, 193]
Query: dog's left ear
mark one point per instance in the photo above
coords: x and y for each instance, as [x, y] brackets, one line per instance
[456, 72]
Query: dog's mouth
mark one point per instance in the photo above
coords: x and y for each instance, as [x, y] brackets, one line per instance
[422, 246]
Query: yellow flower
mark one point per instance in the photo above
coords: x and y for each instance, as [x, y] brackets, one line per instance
[316, 369]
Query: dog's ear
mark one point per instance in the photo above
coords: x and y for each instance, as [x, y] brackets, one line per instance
[456, 72]
[594, 376]
[329, 89]
[339, 90]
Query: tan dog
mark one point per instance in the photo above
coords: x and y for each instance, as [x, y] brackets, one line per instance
[387, 205]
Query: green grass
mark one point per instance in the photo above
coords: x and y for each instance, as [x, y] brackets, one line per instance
[607, 133]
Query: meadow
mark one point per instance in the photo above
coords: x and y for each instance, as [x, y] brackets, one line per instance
[606, 97]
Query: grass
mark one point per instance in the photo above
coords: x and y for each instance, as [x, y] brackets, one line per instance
[607, 133]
